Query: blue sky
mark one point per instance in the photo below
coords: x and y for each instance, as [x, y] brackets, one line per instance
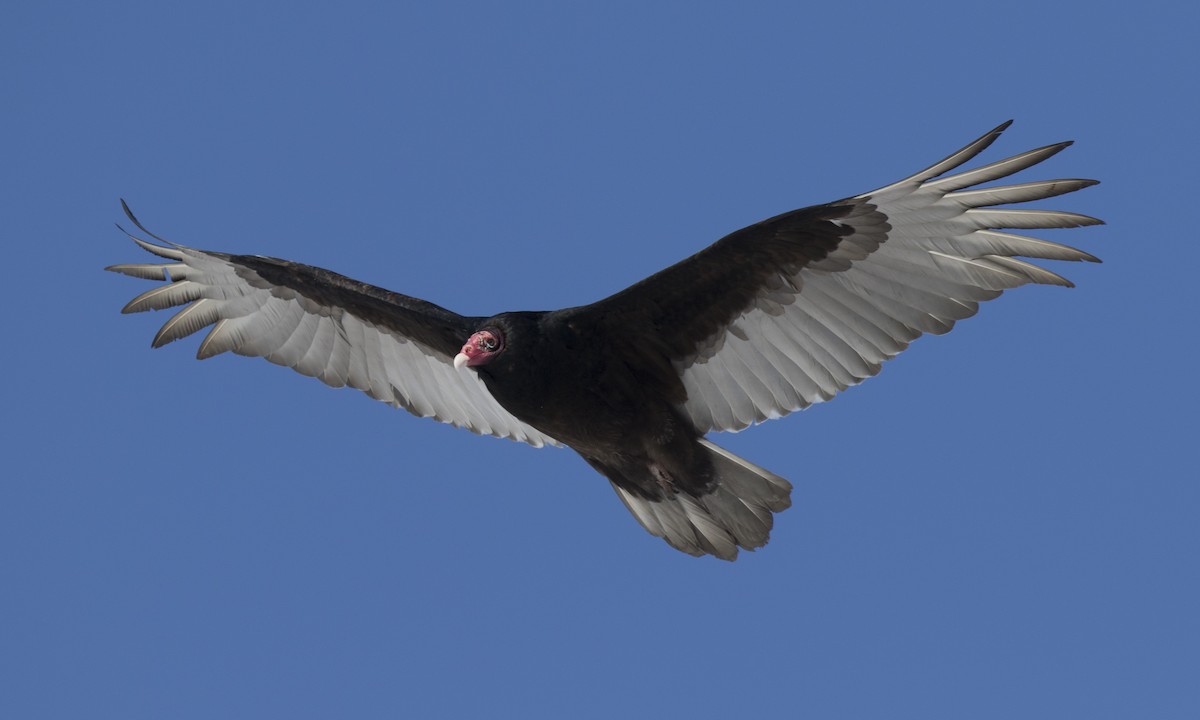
[1002, 524]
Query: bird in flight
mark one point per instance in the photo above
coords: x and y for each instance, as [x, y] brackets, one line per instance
[767, 320]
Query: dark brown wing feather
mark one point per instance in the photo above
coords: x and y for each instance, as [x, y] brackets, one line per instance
[678, 309]
[431, 325]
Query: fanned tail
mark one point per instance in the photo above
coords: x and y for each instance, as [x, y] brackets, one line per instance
[736, 512]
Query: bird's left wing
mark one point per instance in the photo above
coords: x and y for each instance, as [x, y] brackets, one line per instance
[395, 348]
[794, 309]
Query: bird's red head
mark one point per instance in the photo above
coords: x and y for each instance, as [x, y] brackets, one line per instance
[480, 349]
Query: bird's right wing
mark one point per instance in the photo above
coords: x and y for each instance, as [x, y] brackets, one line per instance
[395, 348]
[794, 309]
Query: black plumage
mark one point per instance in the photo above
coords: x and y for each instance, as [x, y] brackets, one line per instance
[768, 320]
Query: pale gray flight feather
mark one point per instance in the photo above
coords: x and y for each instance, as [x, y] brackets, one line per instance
[924, 253]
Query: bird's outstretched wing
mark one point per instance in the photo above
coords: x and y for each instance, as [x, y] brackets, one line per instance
[395, 348]
[792, 310]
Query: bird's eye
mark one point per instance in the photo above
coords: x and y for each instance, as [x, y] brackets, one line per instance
[488, 342]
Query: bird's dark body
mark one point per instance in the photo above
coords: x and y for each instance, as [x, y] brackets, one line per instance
[768, 320]
[620, 415]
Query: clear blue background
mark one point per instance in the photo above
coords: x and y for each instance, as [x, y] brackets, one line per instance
[1003, 524]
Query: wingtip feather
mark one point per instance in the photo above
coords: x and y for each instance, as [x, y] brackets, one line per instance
[137, 223]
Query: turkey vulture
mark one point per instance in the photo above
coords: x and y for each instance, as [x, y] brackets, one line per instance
[770, 319]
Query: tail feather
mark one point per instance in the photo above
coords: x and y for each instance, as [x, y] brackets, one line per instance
[736, 512]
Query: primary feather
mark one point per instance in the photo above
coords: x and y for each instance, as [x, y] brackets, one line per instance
[768, 320]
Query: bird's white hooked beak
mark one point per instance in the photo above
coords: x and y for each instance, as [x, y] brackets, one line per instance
[479, 349]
